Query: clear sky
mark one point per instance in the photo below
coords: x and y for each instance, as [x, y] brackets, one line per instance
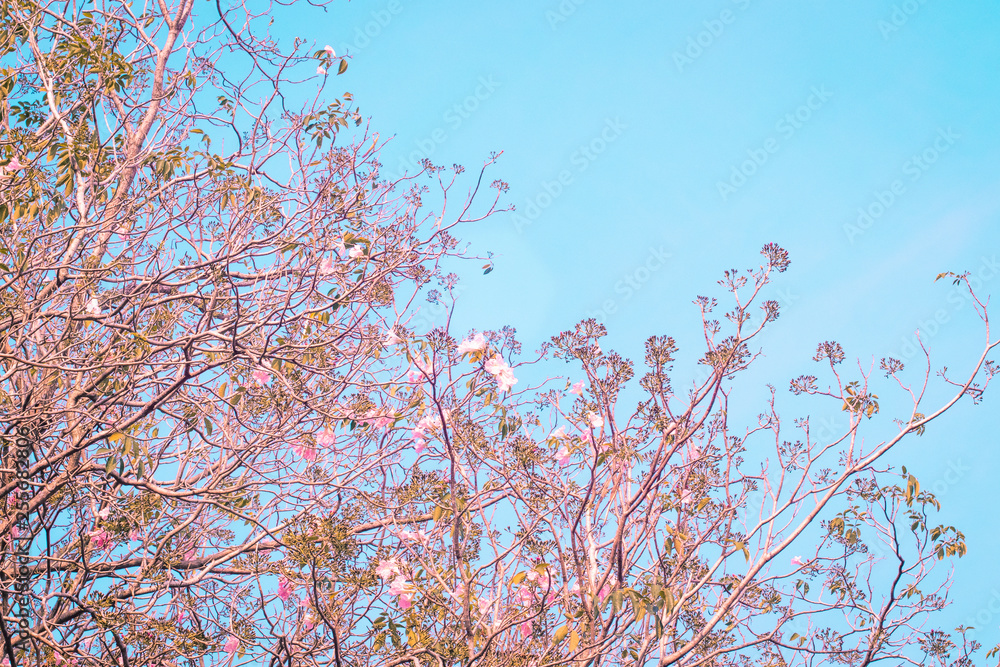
[861, 137]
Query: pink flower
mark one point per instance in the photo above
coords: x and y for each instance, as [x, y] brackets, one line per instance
[391, 338]
[585, 436]
[574, 588]
[415, 536]
[685, 497]
[484, 605]
[94, 308]
[525, 595]
[326, 438]
[475, 344]
[596, 420]
[357, 251]
[400, 586]
[326, 266]
[304, 452]
[419, 447]
[541, 579]
[797, 561]
[559, 433]
[320, 69]
[261, 376]
[459, 592]
[562, 456]
[284, 589]
[526, 629]
[99, 538]
[421, 371]
[577, 388]
[329, 50]
[496, 365]
[506, 380]
[232, 644]
[387, 568]
[501, 371]
[405, 600]
[14, 164]
[134, 534]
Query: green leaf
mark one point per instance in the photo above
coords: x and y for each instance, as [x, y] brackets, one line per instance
[343, 66]
[208, 427]
[518, 578]
[560, 634]
[574, 641]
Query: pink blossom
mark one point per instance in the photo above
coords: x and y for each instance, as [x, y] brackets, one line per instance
[420, 446]
[329, 50]
[474, 344]
[685, 497]
[104, 513]
[526, 629]
[356, 251]
[391, 338]
[495, 365]
[421, 371]
[459, 592]
[525, 595]
[484, 605]
[577, 388]
[304, 452]
[326, 438]
[99, 538]
[284, 589]
[562, 456]
[415, 536]
[261, 376]
[559, 433]
[585, 436]
[326, 266]
[94, 308]
[14, 164]
[320, 69]
[232, 644]
[503, 373]
[541, 579]
[797, 561]
[404, 589]
[134, 534]
[596, 420]
[387, 568]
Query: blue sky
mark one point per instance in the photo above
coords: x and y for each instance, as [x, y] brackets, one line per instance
[687, 137]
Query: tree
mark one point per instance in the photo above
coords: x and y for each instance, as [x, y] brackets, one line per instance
[229, 440]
